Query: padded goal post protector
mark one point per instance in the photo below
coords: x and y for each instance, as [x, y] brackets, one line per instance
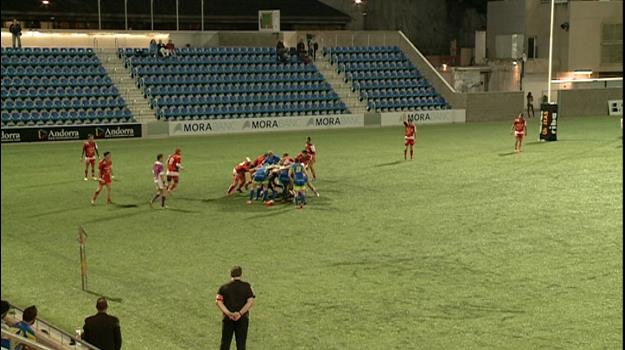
[548, 122]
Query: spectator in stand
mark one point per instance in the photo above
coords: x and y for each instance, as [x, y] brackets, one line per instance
[25, 326]
[301, 50]
[16, 33]
[7, 320]
[161, 48]
[102, 330]
[7, 323]
[315, 47]
[281, 52]
[170, 49]
[309, 40]
[26, 329]
[153, 48]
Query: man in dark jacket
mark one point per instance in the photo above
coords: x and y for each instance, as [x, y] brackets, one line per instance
[16, 32]
[301, 50]
[102, 330]
[281, 52]
[234, 300]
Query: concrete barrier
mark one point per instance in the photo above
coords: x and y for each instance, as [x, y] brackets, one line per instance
[493, 106]
[587, 102]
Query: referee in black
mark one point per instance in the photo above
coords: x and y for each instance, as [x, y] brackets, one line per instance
[235, 299]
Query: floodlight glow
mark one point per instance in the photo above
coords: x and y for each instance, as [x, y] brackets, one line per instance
[45, 2]
[590, 80]
[582, 71]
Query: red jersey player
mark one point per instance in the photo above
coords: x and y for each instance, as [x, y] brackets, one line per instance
[174, 165]
[105, 166]
[259, 160]
[410, 131]
[89, 154]
[303, 157]
[238, 175]
[519, 128]
[312, 151]
[286, 160]
[255, 164]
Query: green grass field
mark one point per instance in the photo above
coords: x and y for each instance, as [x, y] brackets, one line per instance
[467, 247]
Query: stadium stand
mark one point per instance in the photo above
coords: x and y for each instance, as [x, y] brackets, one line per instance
[233, 82]
[385, 78]
[58, 86]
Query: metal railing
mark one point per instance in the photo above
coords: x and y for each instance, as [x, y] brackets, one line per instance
[427, 62]
[16, 340]
[65, 338]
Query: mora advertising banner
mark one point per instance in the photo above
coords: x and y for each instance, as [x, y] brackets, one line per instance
[424, 117]
[245, 125]
[71, 132]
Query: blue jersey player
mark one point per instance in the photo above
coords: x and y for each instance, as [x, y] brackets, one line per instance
[259, 183]
[271, 158]
[300, 180]
[285, 181]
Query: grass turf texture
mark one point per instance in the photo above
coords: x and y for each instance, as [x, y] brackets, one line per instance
[466, 247]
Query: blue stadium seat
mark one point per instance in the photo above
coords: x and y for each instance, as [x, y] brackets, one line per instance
[51, 85]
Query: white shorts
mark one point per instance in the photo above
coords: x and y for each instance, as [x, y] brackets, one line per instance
[159, 184]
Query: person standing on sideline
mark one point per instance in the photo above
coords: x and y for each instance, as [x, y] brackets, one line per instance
[312, 151]
[89, 154]
[530, 104]
[105, 167]
[16, 33]
[158, 170]
[235, 299]
[410, 130]
[519, 129]
[102, 330]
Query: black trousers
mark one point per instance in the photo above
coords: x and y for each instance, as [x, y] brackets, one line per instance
[530, 107]
[238, 328]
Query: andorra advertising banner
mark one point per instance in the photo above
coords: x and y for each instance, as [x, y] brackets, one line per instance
[245, 125]
[424, 117]
[69, 133]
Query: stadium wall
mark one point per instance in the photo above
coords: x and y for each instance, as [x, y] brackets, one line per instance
[587, 102]
[441, 85]
[248, 39]
[493, 106]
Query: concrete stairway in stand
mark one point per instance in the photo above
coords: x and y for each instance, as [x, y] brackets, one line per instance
[342, 88]
[126, 85]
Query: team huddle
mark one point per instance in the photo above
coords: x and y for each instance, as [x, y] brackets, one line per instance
[271, 177]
